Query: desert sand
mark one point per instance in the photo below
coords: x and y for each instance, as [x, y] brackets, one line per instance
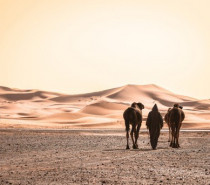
[54, 138]
[99, 157]
[103, 109]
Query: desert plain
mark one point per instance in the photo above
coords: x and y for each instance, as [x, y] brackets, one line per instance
[54, 138]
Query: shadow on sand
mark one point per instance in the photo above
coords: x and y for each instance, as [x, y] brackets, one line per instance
[130, 150]
[135, 150]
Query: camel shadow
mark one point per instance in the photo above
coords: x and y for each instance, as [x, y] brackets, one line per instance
[130, 150]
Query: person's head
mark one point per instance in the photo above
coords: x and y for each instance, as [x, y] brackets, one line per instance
[155, 108]
[181, 107]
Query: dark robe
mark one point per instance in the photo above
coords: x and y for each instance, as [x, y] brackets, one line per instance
[154, 123]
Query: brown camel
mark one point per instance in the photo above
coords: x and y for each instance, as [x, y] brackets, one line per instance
[133, 116]
[166, 118]
[176, 116]
[154, 123]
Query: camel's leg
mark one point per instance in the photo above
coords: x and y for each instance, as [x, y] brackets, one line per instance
[173, 137]
[169, 132]
[137, 135]
[127, 136]
[171, 142]
[178, 130]
[127, 125]
[177, 138]
[132, 132]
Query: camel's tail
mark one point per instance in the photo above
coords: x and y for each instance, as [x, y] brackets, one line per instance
[127, 125]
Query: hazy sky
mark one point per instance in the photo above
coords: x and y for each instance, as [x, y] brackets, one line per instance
[83, 46]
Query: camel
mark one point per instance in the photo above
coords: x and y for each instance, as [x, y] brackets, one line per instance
[154, 123]
[166, 119]
[133, 116]
[176, 116]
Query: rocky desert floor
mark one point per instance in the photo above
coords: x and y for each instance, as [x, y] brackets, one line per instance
[99, 157]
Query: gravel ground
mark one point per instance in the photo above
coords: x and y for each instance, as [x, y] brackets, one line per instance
[99, 157]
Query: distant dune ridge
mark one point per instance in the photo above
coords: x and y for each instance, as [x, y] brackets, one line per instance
[42, 109]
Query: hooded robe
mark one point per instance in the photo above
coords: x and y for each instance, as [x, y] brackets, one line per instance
[154, 123]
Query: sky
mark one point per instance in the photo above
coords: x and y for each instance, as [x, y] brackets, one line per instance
[75, 46]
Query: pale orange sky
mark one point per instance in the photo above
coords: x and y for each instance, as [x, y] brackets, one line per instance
[84, 46]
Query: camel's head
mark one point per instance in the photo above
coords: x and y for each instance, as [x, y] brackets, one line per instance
[181, 107]
[169, 109]
[140, 105]
[176, 105]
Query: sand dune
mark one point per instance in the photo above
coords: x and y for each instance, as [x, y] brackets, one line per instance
[15, 95]
[103, 108]
[85, 97]
[198, 105]
[97, 109]
[148, 94]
